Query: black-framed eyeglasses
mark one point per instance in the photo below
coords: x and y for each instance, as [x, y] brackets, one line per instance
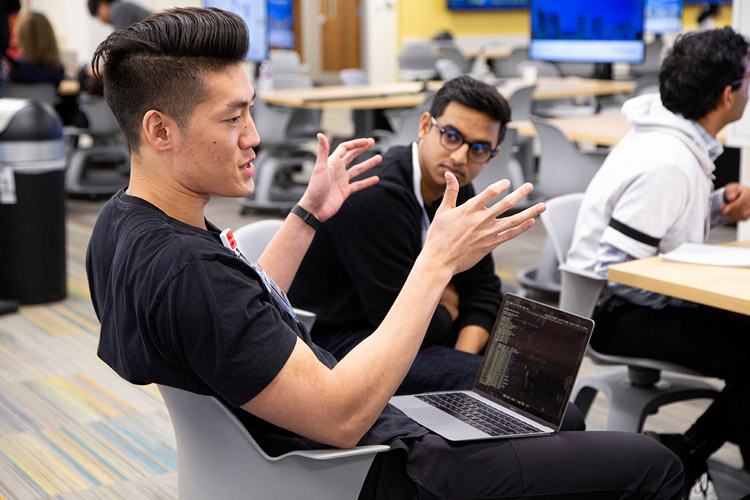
[452, 140]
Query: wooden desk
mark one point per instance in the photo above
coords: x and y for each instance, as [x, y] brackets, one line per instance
[722, 287]
[603, 129]
[410, 94]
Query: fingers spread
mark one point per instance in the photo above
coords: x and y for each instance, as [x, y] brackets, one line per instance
[323, 146]
[364, 183]
[364, 166]
[491, 192]
[511, 199]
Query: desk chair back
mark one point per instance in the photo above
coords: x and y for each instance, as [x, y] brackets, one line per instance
[217, 458]
[632, 395]
[252, 239]
[451, 52]
[448, 69]
[354, 76]
[44, 91]
[507, 67]
[563, 168]
[417, 61]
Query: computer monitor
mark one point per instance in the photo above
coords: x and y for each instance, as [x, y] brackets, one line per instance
[280, 24]
[487, 4]
[255, 14]
[662, 16]
[587, 31]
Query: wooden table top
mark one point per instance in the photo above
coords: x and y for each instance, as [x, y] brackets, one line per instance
[409, 94]
[722, 287]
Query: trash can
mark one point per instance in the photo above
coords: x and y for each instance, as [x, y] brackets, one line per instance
[32, 202]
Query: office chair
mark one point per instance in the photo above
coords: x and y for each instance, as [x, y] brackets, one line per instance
[447, 50]
[642, 390]
[354, 76]
[507, 67]
[285, 61]
[562, 169]
[417, 61]
[448, 69]
[218, 458]
[521, 103]
[252, 239]
[43, 91]
[103, 168]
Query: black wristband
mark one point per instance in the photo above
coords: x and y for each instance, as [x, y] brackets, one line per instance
[306, 216]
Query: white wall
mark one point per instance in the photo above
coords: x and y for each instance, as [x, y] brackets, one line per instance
[379, 25]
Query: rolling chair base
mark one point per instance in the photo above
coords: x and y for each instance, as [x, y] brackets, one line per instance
[629, 404]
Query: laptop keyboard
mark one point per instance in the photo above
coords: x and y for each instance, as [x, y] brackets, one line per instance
[477, 414]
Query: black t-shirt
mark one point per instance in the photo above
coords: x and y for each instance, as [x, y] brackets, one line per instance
[179, 309]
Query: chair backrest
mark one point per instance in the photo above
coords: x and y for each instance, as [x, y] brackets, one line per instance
[520, 102]
[506, 67]
[563, 168]
[579, 291]
[284, 61]
[648, 84]
[272, 122]
[543, 68]
[407, 125]
[417, 61]
[291, 81]
[500, 167]
[448, 69]
[218, 458]
[450, 51]
[354, 76]
[252, 239]
[102, 123]
[45, 91]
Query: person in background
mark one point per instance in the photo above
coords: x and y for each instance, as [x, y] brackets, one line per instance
[40, 57]
[707, 17]
[117, 13]
[654, 192]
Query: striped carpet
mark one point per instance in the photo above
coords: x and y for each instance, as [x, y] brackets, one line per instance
[71, 429]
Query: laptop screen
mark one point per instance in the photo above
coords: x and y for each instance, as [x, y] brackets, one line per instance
[533, 356]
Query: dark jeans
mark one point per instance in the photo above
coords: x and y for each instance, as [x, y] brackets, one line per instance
[567, 465]
[709, 340]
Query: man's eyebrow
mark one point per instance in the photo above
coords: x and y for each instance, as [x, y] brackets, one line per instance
[238, 104]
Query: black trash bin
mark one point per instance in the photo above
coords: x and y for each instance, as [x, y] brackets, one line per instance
[32, 202]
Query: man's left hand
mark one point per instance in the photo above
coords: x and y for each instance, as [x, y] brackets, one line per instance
[737, 202]
[330, 184]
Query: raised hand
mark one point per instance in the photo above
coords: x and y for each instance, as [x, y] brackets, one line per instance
[330, 184]
[459, 236]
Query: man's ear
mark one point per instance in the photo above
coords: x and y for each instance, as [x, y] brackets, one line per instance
[726, 98]
[424, 124]
[159, 130]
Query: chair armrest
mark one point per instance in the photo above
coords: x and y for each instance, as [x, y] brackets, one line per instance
[580, 272]
[333, 453]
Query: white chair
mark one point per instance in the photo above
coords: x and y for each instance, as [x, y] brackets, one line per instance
[285, 61]
[448, 69]
[252, 239]
[354, 76]
[507, 67]
[641, 390]
[447, 50]
[417, 61]
[217, 458]
[563, 168]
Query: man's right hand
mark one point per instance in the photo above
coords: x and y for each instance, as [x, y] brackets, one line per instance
[460, 236]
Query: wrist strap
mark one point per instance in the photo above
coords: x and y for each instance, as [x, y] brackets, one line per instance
[306, 216]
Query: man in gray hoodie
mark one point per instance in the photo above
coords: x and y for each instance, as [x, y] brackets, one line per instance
[654, 192]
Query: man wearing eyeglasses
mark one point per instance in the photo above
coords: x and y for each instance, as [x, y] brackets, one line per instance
[654, 192]
[359, 259]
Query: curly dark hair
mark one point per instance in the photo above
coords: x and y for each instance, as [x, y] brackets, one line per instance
[698, 69]
[476, 95]
[158, 64]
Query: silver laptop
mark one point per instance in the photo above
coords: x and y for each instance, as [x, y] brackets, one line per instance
[528, 370]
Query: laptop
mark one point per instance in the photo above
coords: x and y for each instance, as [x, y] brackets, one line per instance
[528, 371]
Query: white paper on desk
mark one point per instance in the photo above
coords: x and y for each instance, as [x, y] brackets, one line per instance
[711, 255]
